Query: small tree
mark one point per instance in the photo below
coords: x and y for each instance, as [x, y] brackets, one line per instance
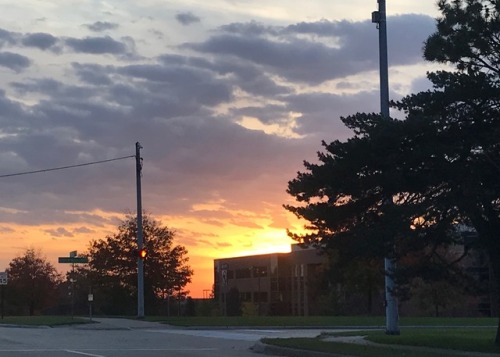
[436, 296]
[33, 282]
[113, 262]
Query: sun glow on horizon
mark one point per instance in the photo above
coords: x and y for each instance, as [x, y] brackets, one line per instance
[236, 233]
[252, 233]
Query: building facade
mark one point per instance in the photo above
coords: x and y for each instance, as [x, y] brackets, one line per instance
[291, 284]
[275, 284]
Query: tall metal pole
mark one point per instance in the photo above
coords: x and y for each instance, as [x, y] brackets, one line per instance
[2, 287]
[140, 262]
[391, 303]
[72, 281]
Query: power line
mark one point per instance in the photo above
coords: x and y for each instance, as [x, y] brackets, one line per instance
[66, 167]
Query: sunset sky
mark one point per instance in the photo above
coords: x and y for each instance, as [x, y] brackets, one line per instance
[227, 98]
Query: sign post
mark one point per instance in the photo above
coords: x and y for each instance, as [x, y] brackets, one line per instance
[90, 298]
[224, 267]
[3, 282]
[73, 259]
[3, 278]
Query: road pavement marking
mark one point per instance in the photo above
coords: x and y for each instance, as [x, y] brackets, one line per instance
[83, 353]
[238, 335]
[187, 349]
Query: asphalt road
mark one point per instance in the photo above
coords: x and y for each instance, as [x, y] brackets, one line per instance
[124, 338]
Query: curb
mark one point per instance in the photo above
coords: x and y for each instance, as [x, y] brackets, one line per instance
[25, 326]
[276, 327]
[267, 349]
[264, 348]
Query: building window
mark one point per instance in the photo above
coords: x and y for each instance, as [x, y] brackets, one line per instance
[259, 272]
[245, 296]
[274, 284]
[260, 296]
[242, 273]
[299, 270]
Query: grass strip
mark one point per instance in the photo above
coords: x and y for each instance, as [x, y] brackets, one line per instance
[349, 349]
[479, 339]
[474, 339]
[51, 321]
[278, 321]
[317, 321]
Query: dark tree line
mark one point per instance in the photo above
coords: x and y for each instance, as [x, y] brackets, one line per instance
[440, 165]
[35, 287]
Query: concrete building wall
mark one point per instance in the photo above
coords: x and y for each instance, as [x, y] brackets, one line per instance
[276, 284]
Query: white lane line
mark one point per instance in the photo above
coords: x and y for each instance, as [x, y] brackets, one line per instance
[83, 353]
[147, 349]
[29, 350]
[187, 349]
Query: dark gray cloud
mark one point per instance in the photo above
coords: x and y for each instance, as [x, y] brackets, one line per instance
[14, 61]
[156, 90]
[12, 114]
[42, 41]
[252, 28]
[289, 59]
[100, 26]
[322, 111]
[295, 53]
[47, 86]
[92, 45]
[92, 74]
[7, 37]
[59, 232]
[187, 18]
[97, 45]
[248, 77]
[84, 230]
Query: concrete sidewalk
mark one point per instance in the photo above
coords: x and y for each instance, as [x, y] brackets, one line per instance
[102, 323]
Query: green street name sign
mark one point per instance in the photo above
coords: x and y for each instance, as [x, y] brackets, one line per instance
[73, 260]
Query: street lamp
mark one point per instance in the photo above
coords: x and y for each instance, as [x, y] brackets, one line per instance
[391, 306]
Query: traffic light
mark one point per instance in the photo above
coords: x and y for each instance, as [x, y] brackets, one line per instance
[142, 253]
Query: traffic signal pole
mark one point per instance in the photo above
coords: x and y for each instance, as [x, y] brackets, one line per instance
[391, 303]
[140, 261]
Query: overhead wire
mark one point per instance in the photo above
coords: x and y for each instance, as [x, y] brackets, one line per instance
[65, 167]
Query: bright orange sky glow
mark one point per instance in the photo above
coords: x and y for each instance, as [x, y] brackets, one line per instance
[228, 241]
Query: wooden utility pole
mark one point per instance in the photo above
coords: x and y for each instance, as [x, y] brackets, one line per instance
[140, 261]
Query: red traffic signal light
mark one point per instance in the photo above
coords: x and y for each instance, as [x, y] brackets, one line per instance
[142, 253]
